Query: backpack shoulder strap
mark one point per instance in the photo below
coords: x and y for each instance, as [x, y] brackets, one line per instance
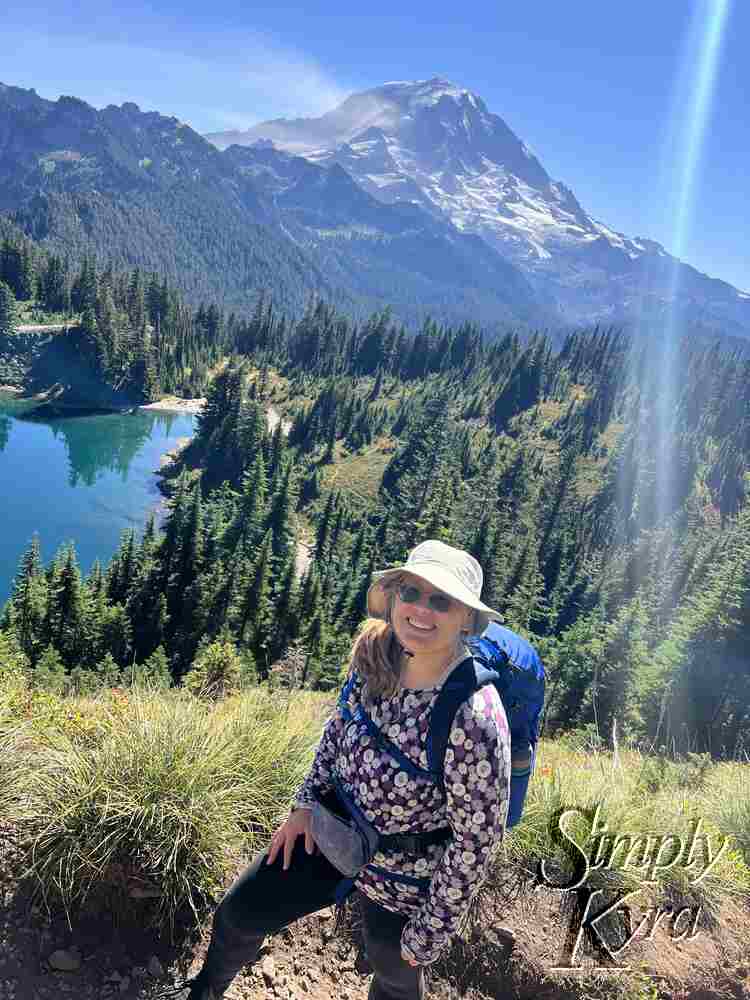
[467, 678]
[361, 714]
[343, 700]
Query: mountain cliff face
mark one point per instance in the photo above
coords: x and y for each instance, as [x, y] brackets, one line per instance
[437, 145]
[396, 253]
[142, 188]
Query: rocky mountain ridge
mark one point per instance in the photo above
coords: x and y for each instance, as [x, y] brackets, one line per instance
[145, 189]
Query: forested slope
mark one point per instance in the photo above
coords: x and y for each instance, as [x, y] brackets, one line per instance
[129, 336]
[543, 463]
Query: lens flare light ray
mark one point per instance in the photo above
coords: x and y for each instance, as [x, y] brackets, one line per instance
[695, 91]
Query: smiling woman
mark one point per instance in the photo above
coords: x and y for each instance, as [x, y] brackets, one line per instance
[374, 816]
[429, 625]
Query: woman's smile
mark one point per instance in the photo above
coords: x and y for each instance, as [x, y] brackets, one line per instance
[420, 626]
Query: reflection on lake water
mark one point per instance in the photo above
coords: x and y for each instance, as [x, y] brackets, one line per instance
[4, 430]
[82, 479]
[100, 444]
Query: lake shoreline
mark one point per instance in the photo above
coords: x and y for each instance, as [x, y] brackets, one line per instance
[175, 404]
[47, 404]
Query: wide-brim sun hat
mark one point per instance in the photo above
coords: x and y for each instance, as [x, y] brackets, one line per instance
[449, 570]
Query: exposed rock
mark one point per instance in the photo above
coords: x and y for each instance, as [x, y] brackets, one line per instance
[64, 961]
[268, 968]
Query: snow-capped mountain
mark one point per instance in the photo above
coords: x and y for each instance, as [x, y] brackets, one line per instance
[145, 189]
[437, 144]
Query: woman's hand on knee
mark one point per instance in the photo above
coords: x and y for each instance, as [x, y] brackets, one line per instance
[297, 824]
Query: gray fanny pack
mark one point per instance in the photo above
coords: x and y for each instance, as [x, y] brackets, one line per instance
[342, 832]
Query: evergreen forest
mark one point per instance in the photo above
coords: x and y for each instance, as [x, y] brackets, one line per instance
[613, 534]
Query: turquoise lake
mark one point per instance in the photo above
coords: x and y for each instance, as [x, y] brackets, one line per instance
[80, 479]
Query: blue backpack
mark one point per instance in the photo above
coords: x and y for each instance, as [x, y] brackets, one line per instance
[505, 659]
[499, 657]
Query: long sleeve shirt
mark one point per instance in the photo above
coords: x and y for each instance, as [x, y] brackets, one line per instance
[433, 888]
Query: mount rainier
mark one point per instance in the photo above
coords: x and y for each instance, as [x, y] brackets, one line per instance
[437, 145]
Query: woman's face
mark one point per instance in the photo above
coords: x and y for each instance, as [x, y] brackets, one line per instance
[420, 628]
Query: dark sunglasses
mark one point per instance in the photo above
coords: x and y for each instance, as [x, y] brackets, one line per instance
[409, 594]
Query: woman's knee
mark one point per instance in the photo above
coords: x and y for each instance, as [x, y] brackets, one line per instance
[244, 910]
[382, 935]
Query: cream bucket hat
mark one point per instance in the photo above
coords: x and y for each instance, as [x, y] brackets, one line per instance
[452, 571]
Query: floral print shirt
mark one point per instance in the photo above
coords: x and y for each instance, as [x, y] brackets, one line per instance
[433, 888]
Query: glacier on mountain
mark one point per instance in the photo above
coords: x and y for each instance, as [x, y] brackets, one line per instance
[436, 144]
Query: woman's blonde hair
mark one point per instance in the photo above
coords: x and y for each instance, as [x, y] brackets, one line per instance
[376, 653]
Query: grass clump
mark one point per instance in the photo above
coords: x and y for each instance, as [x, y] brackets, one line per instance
[638, 795]
[155, 793]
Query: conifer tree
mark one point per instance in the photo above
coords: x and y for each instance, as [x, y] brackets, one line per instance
[25, 611]
[154, 671]
[280, 518]
[251, 511]
[284, 618]
[324, 526]
[72, 625]
[256, 610]
[108, 672]
[173, 529]
[49, 673]
[8, 312]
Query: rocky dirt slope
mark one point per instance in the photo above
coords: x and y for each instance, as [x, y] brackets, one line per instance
[108, 954]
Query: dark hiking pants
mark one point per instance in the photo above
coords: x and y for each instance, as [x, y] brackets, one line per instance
[266, 898]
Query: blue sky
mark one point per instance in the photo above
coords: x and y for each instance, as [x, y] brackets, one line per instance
[603, 93]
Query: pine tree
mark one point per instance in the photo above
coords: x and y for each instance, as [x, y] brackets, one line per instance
[258, 609]
[54, 294]
[154, 672]
[284, 624]
[108, 672]
[49, 673]
[8, 312]
[26, 608]
[251, 511]
[174, 528]
[325, 525]
[280, 518]
[71, 619]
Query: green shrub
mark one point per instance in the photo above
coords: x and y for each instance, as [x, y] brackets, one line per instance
[216, 672]
[49, 673]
